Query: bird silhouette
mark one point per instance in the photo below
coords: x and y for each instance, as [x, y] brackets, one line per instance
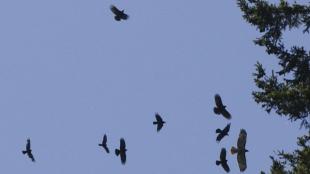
[222, 133]
[119, 14]
[223, 160]
[159, 122]
[220, 107]
[121, 151]
[28, 150]
[104, 143]
[241, 150]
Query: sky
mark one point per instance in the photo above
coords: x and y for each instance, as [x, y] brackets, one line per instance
[70, 73]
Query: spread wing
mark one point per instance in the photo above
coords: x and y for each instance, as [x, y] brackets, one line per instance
[242, 139]
[159, 126]
[115, 10]
[122, 146]
[31, 156]
[123, 157]
[226, 129]
[104, 141]
[28, 145]
[219, 137]
[223, 154]
[226, 114]
[218, 100]
[158, 118]
[241, 161]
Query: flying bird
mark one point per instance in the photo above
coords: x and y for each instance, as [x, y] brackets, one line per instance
[241, 150]
[159, 122]
[220, 107]
[222, 133]
[121, 151]
[28, 151]
[223, 160]
[119, 14]
[104, 143]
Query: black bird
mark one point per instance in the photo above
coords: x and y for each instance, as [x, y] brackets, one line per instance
[119, 14]
[28, 150]
[220, 108]
[159, 121]
[121, 151]
[241, 150]
[104, 143]
[223, 160]
[222, 133]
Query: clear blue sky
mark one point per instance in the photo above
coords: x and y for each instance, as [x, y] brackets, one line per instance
[69, 73]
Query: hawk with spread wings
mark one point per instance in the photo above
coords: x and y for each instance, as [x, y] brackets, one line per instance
[220, 107]
[28, 151]
[119, 14]
[241, 150]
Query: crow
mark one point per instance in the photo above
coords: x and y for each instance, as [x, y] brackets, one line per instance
[119, 14]
[28, 151]
[104, 143]
[223, 160]
[222, 133]
[121, 151]
[241, 150]
[220, 108]
[159, 121]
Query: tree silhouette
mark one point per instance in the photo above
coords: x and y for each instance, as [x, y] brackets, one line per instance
[286, 91]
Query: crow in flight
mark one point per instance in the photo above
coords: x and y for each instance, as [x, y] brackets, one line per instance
[28, 150]
[222, 133]
[122, 151]
[240, 150]
[159, 121]
[223, 160]
[104, 143]
[220, 108]
[119, 14]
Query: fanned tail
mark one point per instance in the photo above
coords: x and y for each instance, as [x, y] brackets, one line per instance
[217, 162]
[24, 151]
[218, 131]
[117, 152]
[233, 150]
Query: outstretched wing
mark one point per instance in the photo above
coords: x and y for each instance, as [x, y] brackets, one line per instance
[122, 146]
[123, 157]
[241, 161]
[218, 100]
[31, 156]
[28, 145]
[226, 114]
[223, 154]
[226, 129]
[115, 10]
[104, 140]
[159, 126]
[158, 118]
[242, 139]
[219, 137]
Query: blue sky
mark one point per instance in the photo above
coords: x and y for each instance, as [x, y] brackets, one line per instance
[69, 74]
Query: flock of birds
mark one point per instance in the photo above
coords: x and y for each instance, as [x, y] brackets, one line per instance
[219, 109]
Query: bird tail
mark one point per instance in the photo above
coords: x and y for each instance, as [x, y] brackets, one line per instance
[216, 110]
[154, 122]
[24, 151]
[217, 162]
[218, 131]
[233, 150]
[99, 144]
[117, 152]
